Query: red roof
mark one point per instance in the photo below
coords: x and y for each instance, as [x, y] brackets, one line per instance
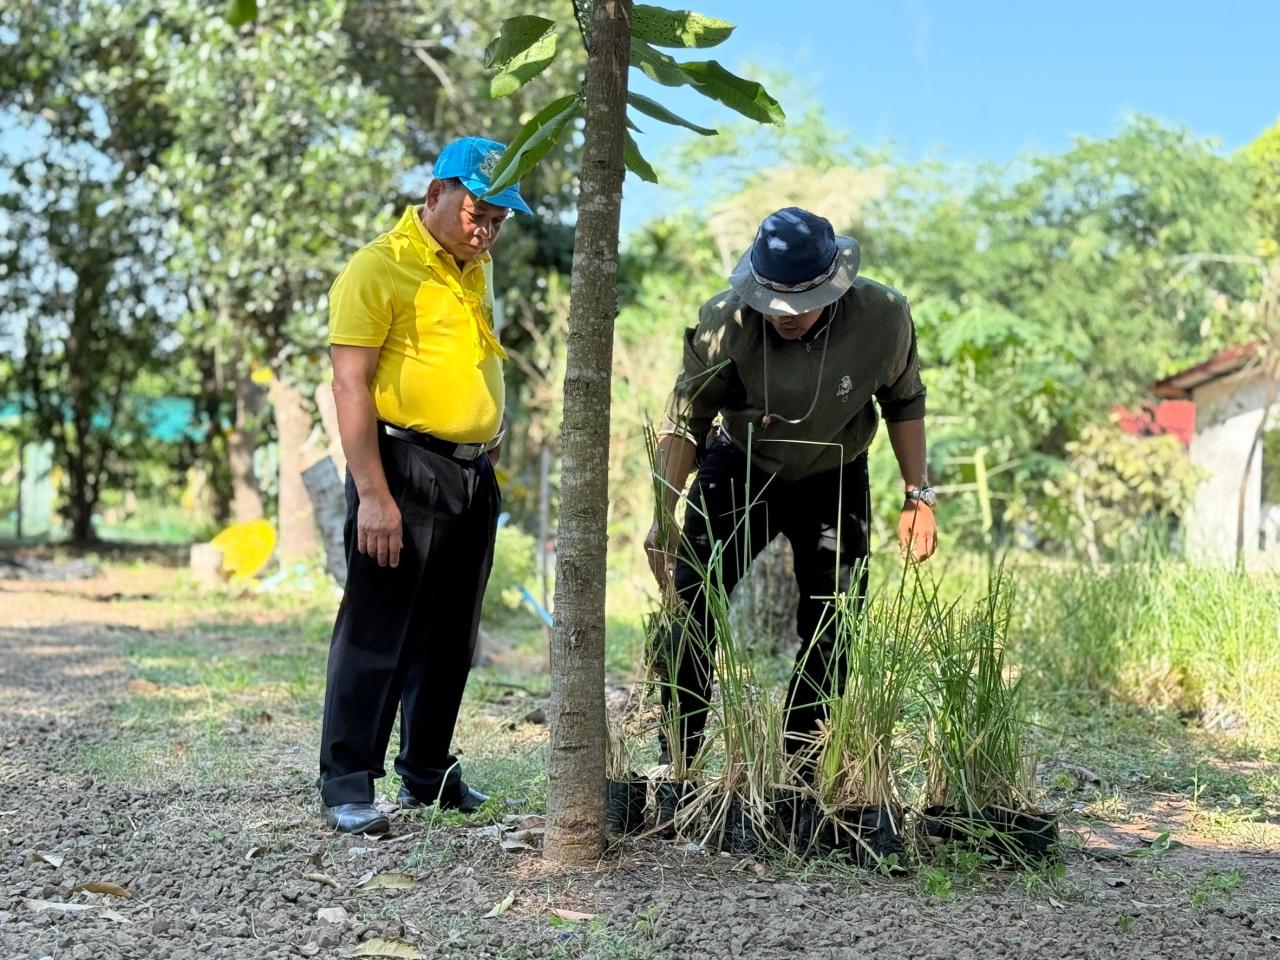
[1176, 417]
[1180, 385]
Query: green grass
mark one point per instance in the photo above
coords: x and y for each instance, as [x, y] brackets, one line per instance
[1198, 641]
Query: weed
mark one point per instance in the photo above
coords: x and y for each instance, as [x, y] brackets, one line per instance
[1216, 887]
[936, 882]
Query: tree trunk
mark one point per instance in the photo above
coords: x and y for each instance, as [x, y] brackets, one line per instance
[246, 496]
[299, 536]
[215, 453]
[575, 769]
[82, 494]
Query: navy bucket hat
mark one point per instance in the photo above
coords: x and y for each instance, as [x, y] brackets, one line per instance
[796, 264]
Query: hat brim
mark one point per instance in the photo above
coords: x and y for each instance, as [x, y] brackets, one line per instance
[508, 197]
[778, 304]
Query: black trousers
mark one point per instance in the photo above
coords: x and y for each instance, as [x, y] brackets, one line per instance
[815, 514]
[404, 636]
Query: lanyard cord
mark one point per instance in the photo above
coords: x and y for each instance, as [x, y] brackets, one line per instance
[768, 417]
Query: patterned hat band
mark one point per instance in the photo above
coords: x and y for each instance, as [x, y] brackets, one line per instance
[802, 285]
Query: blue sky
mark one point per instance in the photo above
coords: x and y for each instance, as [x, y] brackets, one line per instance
[978, 80]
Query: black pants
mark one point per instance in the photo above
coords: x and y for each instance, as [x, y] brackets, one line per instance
[809, 513]
[405, 635]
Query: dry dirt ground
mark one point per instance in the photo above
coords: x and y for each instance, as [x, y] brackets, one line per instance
[186, 803]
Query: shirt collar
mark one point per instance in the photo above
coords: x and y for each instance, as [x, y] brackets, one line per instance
[428, 247]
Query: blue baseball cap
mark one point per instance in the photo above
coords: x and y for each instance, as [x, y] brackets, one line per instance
[471, 160]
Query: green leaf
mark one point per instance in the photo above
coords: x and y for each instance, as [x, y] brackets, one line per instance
[710, 79]
[522, 52]
[746, 96]
[657, 66]
[636, 163]
[677, 28]
[240, 12]
[533, 142]
[516, 36]
[653, 108]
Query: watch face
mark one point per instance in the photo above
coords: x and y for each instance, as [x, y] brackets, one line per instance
[923, 495]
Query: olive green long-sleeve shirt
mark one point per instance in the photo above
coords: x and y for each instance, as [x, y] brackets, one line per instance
[870, 350]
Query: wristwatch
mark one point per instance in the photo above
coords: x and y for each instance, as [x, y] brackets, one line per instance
[923, 495]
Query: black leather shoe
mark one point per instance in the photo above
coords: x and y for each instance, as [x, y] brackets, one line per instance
[356, 818]
[469, 801]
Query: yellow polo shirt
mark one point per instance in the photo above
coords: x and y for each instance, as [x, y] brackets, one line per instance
[440, 366]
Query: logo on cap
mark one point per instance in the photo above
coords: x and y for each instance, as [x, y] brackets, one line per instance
[490, 162]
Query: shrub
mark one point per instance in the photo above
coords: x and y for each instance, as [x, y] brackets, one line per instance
[515, 565]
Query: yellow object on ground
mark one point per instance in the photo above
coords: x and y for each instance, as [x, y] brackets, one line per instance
[246, 548]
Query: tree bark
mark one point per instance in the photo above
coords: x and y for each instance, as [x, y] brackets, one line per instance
[299, 536]
[575, 769]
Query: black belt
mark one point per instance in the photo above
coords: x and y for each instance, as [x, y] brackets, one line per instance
[459, 451]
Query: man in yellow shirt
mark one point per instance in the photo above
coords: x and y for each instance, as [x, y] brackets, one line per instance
[417, 376]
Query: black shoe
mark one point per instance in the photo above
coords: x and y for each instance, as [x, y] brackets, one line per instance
[468, 801]
[356, 818]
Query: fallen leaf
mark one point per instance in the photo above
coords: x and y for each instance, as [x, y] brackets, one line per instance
[106, 914]
[515, 846]
[52, 859]
[501, 907]
[525, 821]
[384, 947]
[491, 832]
[103, 886]
[390, 881]
[360, 851]
[308, 949]
[333, 914]
[316, 859]
[41, 906]
[750, 866]
[573, 916]
[1058, 904]
[1117, 881]
[254, 852]
[321, 878]
[365, 877]
[386, 806]
[525, 836]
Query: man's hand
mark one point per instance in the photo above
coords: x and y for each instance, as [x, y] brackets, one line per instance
[662, 554]
[379, 530]
[917, 531]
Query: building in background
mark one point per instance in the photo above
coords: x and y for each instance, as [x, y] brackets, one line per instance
[1232, 391]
